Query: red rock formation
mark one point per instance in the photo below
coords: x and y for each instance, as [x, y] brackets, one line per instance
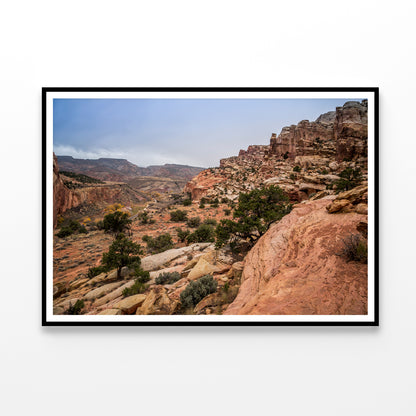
[351, 131]
[296, 269]
[343, 132]
[204, 181]
[63, 198]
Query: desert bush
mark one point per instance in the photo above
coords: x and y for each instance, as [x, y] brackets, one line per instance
[204, 233]
[297, 169]
[349, 178]
[210, 221]
[137, 288]
[354, 248]
[159, 244]
[122, 252]
[167, 278]
[76, 308]
[255, 212]
[95, 271]
[187, 202]
[73, 227]
[227, 211]
[195, 291]
[116, 222]
[201, 205]
[193, 222]
[182, 234]
[178, 216]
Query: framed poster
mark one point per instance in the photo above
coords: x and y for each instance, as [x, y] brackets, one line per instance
[210, 206]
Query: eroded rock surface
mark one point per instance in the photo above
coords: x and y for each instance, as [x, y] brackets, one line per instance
[296, 269]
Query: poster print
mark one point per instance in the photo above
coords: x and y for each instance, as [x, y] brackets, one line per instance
[210, 206]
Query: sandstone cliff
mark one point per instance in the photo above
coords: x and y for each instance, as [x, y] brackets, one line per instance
[63, 198]
[321, 149]
[296, 269]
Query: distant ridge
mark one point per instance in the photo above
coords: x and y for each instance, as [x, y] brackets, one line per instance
[121, 170]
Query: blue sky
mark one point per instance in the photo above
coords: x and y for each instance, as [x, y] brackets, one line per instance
[197, 132]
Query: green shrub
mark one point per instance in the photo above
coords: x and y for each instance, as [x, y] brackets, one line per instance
[292, 176]
[178, 216]
[210, 221]
[142, 276]
[194, 222]
[182, 234]
[201, 205]
[137, 288]
[144, 218]
[95, 271]
[354, 248]
[116, 222]
[297, 169]
[197, 290]
[349, 178]
[73, 227]
[76, 308]
[204, 233]
[167, 278]
[255, 212]
[227, 211]
[159, 244]
[122, 252]
[187, 202]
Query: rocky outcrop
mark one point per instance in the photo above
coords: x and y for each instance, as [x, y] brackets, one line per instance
[351, 130]
[296, 268]
[63, 198]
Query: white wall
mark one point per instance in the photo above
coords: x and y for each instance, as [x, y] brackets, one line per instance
[286, 371]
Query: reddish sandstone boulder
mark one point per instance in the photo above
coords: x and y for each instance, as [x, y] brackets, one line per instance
[296, 269]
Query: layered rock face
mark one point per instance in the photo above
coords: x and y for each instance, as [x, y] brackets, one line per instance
[351, 131]
[296, 268]
[322, 149]
[63, 198]
[342, 133]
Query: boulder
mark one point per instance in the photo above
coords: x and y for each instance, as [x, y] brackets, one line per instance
[110, 312]
[338, 205]
[114, 294]
[101, 291]
[295, 267]
[157, 302]
[201, 269]
[158, 261]
[130, 304]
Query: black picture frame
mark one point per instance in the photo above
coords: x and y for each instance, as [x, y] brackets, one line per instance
[46, 192]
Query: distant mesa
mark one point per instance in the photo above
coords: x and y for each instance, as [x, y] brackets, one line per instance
[121, 170]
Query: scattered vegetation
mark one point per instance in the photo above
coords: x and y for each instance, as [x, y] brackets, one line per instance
[297, 168]
[79, 177]
[122, 252]
[210, 221]
[178, 216]
[95, 271]
[182, 234]
[255, 212]
[354, 248]
[193, 222]
[137, 288]
[197, 290]
[187, 202]
[159, 244]
[349, 178]
[73, 227]
[167, 278]
[76, 308]
[204, 233]
[116, 222]
[144, 218]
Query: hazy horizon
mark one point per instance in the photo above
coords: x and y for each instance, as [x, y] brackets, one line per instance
[194, 132]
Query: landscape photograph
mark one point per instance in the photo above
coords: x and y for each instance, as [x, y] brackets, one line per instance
[210, 206]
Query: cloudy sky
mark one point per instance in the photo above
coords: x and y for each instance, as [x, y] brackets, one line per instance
[197, 132]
